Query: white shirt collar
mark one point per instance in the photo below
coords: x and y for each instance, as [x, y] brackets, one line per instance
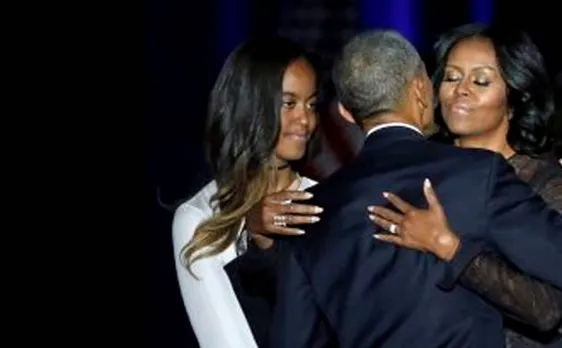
[393, 124]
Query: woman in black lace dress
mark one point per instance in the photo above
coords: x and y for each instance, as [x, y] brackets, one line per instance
[494, 94]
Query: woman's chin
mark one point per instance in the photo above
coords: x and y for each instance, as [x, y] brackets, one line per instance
[292, 156]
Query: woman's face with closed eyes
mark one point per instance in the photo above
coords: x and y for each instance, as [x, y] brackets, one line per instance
[472, 93]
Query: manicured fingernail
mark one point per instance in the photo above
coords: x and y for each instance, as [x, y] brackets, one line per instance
[385, 194]
[376, 236]
[370, 208]
[426, 183]
[314, 219]
[299, 232]
[308, 195]
[372, 217]
[318, 210]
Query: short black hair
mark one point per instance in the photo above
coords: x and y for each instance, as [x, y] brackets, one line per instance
[372, 71]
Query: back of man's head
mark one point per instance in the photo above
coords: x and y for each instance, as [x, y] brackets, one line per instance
[373, 71]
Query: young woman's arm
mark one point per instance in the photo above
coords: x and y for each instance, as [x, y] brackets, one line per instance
[213, 309]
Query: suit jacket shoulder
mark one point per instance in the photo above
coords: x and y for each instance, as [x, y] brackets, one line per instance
[355, 279]
[346, 193]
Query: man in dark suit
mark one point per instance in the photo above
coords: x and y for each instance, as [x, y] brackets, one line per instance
[338, 286]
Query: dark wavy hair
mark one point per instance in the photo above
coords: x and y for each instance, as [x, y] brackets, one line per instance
[530, 95]
[242, 129]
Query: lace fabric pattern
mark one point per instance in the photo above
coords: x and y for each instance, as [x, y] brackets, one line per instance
[522, 299]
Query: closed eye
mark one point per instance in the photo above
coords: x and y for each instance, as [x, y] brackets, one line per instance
[482, 83]
[451, 79]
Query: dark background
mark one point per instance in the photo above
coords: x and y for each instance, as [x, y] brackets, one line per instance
[187, 42]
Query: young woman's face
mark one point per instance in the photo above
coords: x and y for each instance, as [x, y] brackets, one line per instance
[473, 94]
[298, 112]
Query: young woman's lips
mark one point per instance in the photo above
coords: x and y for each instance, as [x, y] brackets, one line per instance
[297, 136]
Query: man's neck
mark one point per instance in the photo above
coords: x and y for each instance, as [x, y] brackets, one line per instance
[372, 127]
[387, 119]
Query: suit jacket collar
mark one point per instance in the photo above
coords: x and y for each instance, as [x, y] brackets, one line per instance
[392, 124]
[391, 134]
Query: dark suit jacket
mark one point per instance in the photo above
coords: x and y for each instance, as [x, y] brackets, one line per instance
[338, 286]
[252, 276]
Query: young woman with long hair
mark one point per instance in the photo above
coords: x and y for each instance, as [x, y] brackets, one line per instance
[262, 114]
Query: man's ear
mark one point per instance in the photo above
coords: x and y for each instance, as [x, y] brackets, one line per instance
[420, 91]
[345, 114]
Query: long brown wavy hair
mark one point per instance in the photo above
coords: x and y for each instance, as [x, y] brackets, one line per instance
[241, 134]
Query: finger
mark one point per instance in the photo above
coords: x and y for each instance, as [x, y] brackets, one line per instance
[397, 240]
[285, 231]
[382, 222]
[430, 195]
[398, 202]
[300, 219]
[295, 208]
[390, 238]
[387, 214]
[284, 196]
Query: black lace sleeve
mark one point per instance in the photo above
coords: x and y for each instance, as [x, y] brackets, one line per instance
[518, 296]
